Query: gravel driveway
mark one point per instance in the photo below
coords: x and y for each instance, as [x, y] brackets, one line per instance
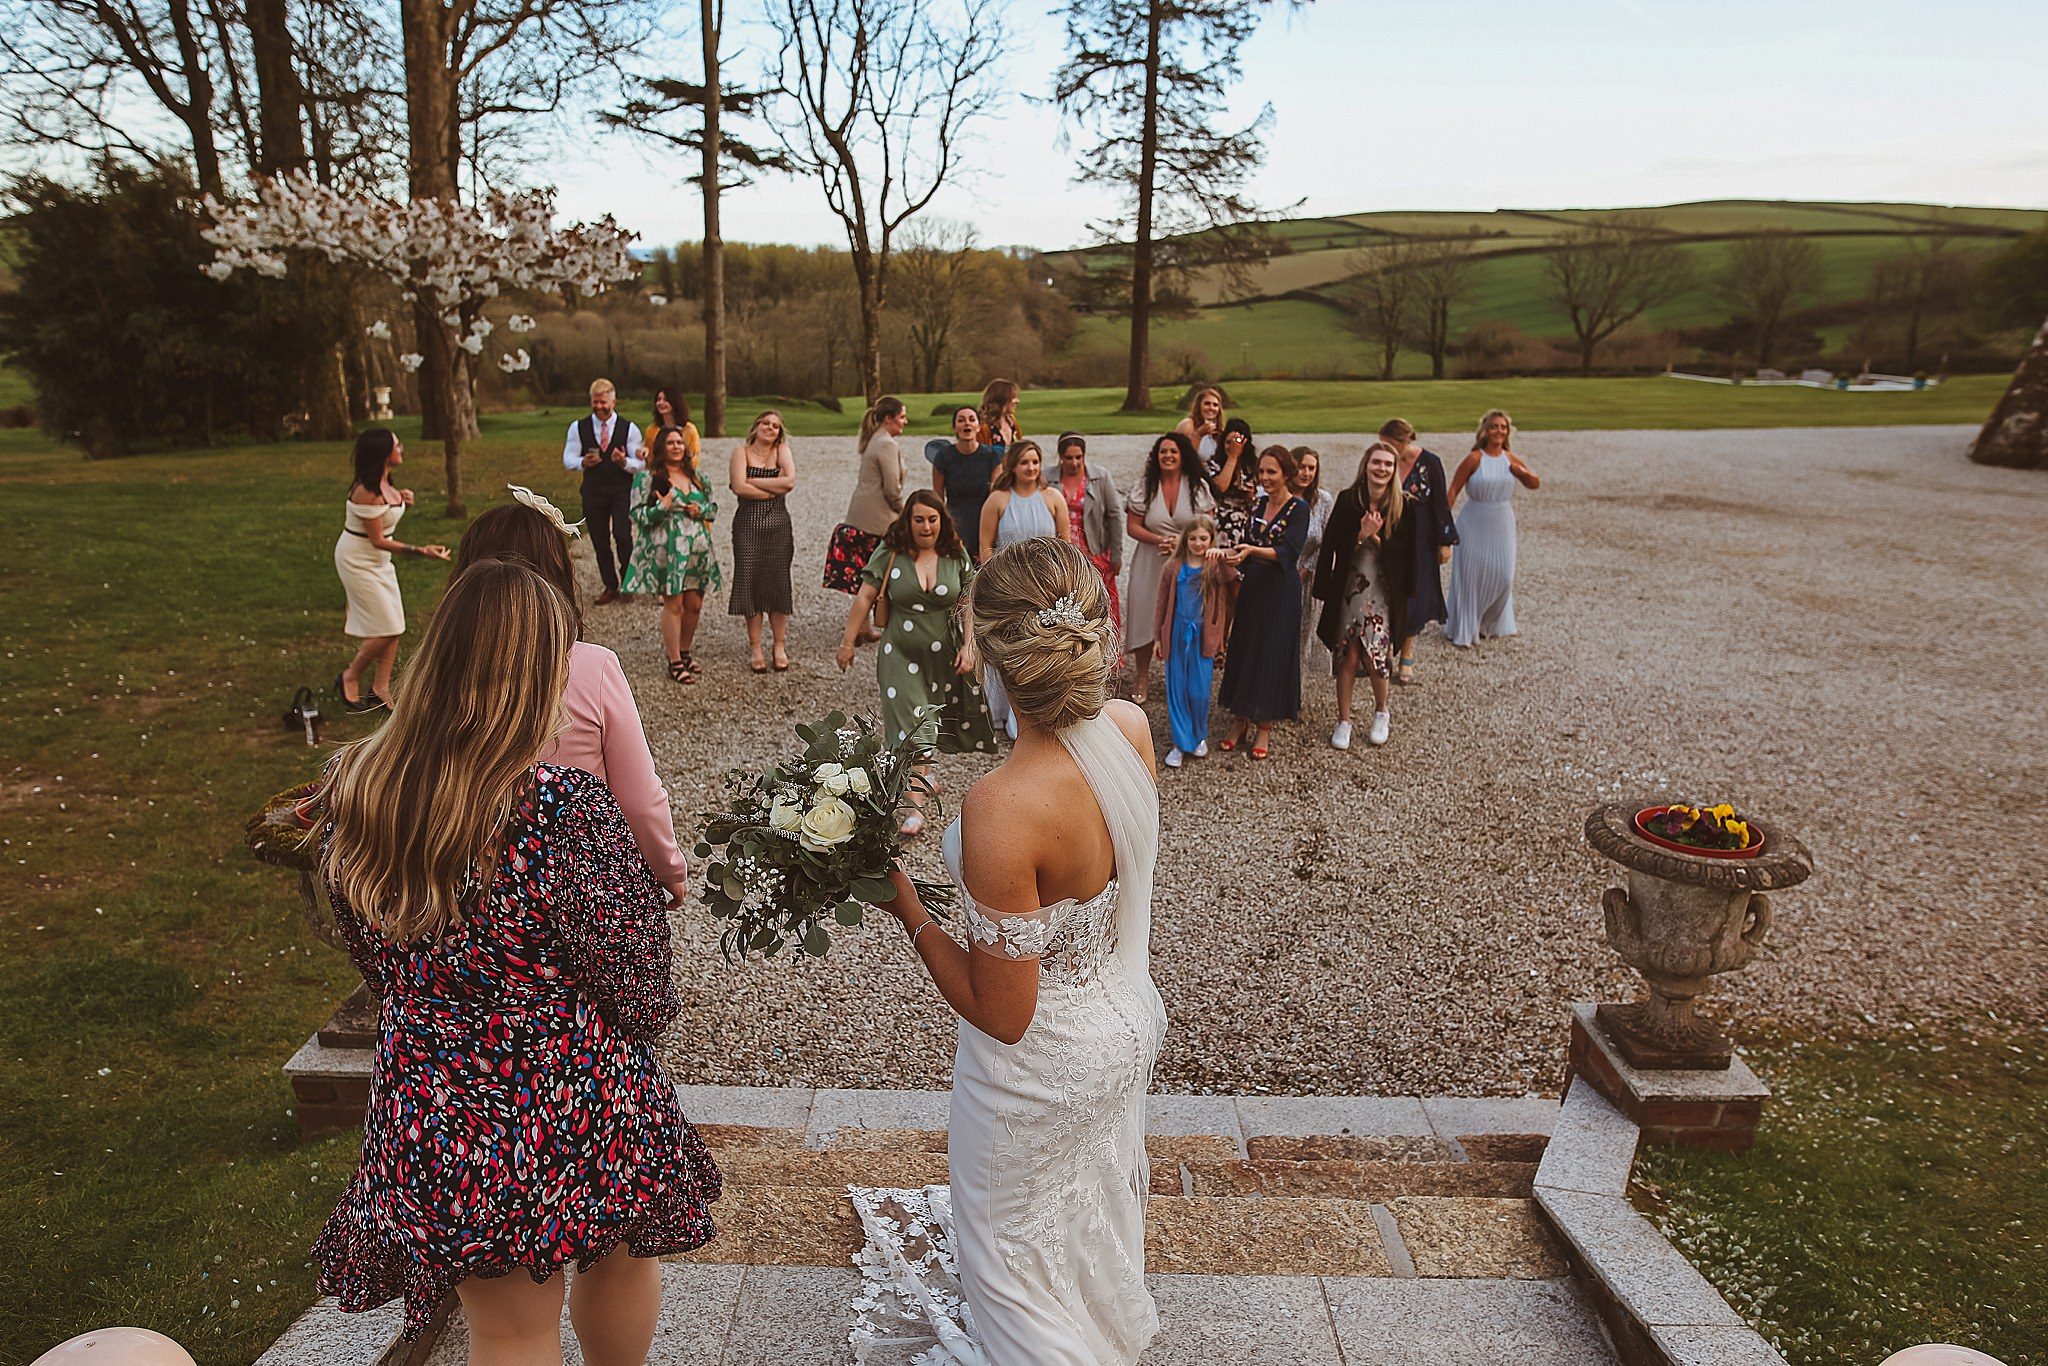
[1840, 630]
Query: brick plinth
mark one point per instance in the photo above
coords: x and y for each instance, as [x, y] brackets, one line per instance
[330, 1087]
[1695, 1109]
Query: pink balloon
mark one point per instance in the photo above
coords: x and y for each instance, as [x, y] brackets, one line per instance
[116, 1347]
[1941, 1354]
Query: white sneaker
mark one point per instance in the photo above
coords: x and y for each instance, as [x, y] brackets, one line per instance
[1173, 758]
[1381, 724]
[1202, 750]
[1340, 738]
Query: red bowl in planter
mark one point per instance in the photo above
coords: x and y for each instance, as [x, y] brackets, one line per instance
[1650, 813]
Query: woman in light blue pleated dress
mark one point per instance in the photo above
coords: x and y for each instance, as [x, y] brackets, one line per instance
[1020, 505]
[1482, 596]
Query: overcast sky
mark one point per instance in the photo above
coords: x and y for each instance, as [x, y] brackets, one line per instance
[1484, 104]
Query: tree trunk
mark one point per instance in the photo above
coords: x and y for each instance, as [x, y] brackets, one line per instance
[1586, 345]
[433, 135]
[198, 111]
[1138, 387]
[278, 95]
[2016, 435]
[714, 244]
[1388, 355]
[870, 282]
[1912, 340]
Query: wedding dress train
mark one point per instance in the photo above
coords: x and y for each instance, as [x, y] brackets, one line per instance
[1035, 1253]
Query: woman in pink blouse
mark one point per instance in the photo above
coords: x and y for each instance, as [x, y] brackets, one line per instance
[601, 730]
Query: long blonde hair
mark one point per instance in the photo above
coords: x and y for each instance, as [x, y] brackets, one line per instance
[1396, 500]
[1479, 436]
[418, 808]
[1195, 405]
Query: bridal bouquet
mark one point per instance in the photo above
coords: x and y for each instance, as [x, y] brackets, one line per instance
[813, 836]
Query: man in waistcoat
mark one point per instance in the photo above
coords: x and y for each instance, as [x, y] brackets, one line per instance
[606, 448]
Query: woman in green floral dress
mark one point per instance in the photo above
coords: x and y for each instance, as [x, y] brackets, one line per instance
[672, 550]
[915, 583]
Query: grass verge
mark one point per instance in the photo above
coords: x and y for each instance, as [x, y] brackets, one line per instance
[1898, 1193]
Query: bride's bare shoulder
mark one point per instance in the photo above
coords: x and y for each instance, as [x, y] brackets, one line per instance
[1130, 718]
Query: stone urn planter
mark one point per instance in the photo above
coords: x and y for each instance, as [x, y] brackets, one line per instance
[1682, 919]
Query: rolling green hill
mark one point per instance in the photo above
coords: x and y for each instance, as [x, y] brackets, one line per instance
[1286, 320]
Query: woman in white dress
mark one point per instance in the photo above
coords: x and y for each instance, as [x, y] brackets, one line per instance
[1034, 1255]
[362, 560]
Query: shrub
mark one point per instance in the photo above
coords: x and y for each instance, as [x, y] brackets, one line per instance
[20, 415]
[128, 342]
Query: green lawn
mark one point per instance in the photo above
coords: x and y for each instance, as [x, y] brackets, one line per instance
[1898, 1193]
[161, 610]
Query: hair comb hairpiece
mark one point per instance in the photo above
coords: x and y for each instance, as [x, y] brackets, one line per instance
[546, 509]
[1066, 612]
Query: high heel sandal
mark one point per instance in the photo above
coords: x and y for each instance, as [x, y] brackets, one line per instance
[1260, 751]
[1237, 737]
[683, 669]
[360, 705]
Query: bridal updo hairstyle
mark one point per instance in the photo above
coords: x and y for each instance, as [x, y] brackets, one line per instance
[1056, 672]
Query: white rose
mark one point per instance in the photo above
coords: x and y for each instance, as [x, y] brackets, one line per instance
[837, 784]
[824, 771]
[828, 823]
[785, 815]
[857, 780]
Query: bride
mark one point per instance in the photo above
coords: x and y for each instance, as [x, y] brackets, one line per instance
[1035, 1254]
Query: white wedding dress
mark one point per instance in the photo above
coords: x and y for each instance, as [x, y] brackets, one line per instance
[1035, 1254]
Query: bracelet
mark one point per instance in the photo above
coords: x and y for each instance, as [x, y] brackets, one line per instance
[928, 923]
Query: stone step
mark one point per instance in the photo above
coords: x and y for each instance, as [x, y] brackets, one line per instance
[1471, 1236]
[799, 1316]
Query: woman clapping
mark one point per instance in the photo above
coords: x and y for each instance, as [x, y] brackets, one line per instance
[1363, 576]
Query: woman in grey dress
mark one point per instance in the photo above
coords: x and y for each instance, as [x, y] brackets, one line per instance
[761, 474]
[1020, 505]
[1482, 597]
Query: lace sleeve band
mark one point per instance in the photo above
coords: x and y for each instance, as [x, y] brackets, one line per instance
[1016, 937]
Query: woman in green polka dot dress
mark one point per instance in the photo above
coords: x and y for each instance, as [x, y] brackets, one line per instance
[919, 577]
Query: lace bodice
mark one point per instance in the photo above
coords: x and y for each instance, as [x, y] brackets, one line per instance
[1070, 938]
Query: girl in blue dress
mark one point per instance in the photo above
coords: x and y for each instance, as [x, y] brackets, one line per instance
[1194, 599]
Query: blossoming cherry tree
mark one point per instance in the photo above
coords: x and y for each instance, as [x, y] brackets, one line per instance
[453, 257]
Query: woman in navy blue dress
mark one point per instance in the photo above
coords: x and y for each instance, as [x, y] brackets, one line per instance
[1262, 668]
[500, 911]
[1436, 531]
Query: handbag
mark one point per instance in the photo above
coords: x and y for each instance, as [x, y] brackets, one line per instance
[303, 715]
[882, 597]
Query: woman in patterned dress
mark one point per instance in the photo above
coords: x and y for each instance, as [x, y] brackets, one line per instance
[761, 473]
[518, 1121]
[1233, 477]
[673, 555]
[1363, 577]
[1422, 483]
[1262, 668]
[918, 579]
